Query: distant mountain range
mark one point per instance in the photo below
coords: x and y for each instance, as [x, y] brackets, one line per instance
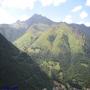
[35, 23]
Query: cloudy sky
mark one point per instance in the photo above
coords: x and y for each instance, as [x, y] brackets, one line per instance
[70, 11]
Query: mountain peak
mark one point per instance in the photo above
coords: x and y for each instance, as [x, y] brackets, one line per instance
[37, 15]
[37, 18]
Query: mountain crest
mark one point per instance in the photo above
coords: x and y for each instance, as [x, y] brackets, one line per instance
[36, 18]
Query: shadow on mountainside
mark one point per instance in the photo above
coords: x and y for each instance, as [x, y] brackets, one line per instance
[18, 71]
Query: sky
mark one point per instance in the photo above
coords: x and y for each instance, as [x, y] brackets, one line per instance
[70, 11]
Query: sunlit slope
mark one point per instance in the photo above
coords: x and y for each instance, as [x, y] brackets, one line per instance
[59, 39]
[24, 41]
[64, 46]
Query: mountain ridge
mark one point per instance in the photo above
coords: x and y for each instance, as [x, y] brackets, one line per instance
[14, 31]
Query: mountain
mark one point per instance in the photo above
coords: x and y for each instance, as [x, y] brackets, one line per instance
[15, 30]
[48, 52]
[81, 28]
[18, 71]
[86, 33]
[62, 52]
[36, 23]
[54, 36]
[35, 19]
[11, 32]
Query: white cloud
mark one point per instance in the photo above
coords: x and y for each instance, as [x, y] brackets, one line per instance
[83, 14]
[87, 24]
[20, 4]
[0, 2]
[68, 19]
[87, 2]
[52, 2]
[5, 17]
[5, 14]
[77, 8]
[24, 4]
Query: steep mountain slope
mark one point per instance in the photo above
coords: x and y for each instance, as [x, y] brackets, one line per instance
[24, 41]
[63, 45]
[56, 37]
[73, 34]
[18, 71]
[86, 33]
[52, 39]
[37, 24]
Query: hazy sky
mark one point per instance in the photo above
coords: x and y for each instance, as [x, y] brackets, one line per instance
[71, 11]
